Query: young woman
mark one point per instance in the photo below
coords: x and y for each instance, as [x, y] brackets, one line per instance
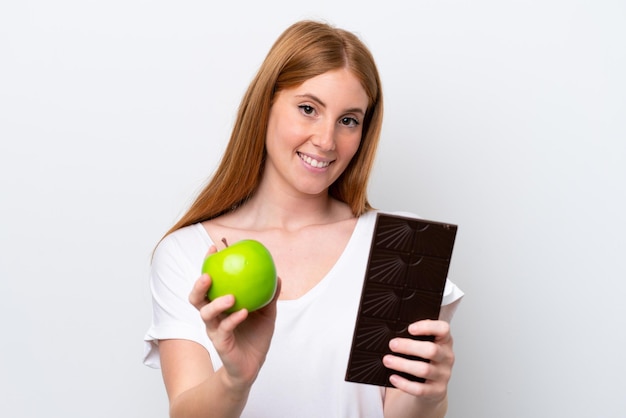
[294, 177]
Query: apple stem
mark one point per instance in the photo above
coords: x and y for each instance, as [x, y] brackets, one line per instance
[225, 242]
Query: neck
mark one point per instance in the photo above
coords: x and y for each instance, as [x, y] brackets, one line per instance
[268, 209]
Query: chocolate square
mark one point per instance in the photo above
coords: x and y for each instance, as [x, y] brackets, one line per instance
[404, 282]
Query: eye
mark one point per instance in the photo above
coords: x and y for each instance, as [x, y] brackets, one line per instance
[307, 109]
[349, 121]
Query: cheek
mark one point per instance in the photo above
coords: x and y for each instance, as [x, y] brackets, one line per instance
[273, 136]
[280, 132]
[351, 146]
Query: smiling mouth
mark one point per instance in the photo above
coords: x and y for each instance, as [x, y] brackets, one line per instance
[313, 162]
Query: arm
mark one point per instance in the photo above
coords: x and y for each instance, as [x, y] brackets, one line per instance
[194, 389]
[415, 399]
[242, 339]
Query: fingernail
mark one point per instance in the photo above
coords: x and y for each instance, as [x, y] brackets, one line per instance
[413, 329]
[393, 344]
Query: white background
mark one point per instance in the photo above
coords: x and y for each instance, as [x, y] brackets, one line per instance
[505, 117]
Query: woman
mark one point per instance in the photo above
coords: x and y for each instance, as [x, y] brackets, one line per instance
[294, 177]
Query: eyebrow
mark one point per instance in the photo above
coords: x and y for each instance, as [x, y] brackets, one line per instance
[321, 103]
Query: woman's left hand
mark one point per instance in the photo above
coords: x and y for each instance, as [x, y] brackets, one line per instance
[436, 372]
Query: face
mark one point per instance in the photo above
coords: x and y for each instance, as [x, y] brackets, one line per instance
[314, 131]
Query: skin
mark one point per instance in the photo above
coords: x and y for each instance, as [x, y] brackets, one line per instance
[333, 130]
[314, 130]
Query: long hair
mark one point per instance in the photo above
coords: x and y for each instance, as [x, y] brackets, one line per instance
[303, 51]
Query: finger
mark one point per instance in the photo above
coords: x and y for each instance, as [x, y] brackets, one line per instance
[439, 350]
[215, 310]
[231, 321]
[212, 250]
[219, 324]
[438, 329]
[423, 349]
[415, 368]
[404, 384]
[429, 389]
[197, 297]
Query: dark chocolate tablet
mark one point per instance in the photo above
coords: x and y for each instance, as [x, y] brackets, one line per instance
[404, 282]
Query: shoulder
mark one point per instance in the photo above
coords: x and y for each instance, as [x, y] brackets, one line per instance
[187, 243]
[188, 235]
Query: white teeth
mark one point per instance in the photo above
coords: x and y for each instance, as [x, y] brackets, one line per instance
[313, 162]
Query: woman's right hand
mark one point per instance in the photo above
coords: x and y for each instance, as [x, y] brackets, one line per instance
[241, 338]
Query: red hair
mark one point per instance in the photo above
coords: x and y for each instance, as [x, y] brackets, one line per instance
[303, 51]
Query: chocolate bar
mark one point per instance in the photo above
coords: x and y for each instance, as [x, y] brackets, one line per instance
[404, 282]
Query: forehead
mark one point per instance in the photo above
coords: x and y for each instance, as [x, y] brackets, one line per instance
[336, 85]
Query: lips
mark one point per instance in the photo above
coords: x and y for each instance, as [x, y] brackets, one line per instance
[313, 162]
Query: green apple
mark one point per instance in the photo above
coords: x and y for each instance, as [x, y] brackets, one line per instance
[245, 270]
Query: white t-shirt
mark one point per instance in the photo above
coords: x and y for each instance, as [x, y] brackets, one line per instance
[303, 374]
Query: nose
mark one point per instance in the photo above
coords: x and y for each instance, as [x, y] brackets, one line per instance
[324, 137]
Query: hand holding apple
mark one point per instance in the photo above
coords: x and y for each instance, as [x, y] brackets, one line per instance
[245, 270]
